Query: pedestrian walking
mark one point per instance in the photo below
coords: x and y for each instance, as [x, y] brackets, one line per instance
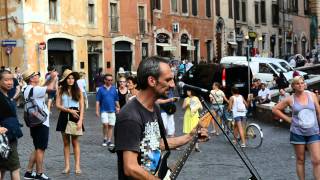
[70, 122]
[192, 105]
[82, 83]
[122, 91]
[238, 105]
[137, 130]
[98, 79]
[40, 133]
[10, 126]
[217, 97]
[107, 105]
[51, 95]
[304, 129]
[167, 109]
[132, 88]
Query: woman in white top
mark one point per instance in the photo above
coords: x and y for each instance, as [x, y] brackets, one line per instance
[217, 97]
[238, 106]
[70, 103]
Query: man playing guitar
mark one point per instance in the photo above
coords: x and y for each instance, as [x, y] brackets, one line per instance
[138, 139]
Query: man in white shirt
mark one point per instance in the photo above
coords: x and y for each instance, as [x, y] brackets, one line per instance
[264, 94]
[40, 133]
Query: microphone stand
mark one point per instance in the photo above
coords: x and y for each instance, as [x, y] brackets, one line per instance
[254, 175]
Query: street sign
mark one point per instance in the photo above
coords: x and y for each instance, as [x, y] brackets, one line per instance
[9, 42]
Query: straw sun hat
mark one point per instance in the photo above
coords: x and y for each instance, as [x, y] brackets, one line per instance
[28, 74]
[68, 72]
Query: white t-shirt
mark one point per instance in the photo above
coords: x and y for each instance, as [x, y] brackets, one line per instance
[264, 93]
[82, 84]
[39, 95]
[217, 96]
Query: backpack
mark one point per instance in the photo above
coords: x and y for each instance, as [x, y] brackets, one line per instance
[4, 147]
[33, 115]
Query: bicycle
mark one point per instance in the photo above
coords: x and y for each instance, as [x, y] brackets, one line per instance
[253, 132]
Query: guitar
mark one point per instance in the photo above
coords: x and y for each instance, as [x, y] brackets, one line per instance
[164, 172]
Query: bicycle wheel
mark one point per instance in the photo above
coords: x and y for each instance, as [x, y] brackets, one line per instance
[254, 135]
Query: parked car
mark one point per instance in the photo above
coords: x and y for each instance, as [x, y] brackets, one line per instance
[299, 60]
[264, 68]
[204, 75]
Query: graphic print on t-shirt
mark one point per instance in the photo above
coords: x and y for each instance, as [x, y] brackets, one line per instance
[150, 147]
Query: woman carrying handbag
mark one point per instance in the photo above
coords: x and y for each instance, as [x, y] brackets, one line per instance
[70, 123]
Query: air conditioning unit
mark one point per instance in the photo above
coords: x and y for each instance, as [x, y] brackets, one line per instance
[175, 27]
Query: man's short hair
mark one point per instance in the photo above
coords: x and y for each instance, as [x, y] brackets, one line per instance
[51, 68]
[149, 67]
[107, 75]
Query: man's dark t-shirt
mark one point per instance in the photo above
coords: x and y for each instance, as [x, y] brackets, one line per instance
[137, 130]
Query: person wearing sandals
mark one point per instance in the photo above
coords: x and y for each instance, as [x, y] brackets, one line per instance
[9, 125]
[304, 130]
[217, 97]
[71, 104]
[192, 105]
[238, 105]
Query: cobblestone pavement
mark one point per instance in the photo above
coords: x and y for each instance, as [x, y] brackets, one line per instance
[274, 159]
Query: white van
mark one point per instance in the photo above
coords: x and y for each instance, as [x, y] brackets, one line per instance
[263, 68]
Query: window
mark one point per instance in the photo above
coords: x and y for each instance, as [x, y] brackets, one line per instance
[275, 14]
[208, 8]
[237, 9]
[218, 7]
[209, 56]
[91, 13]
[306, 7]
[53, 10]
[157, 4]
[244, 11]
[263, 12]
[264, 68]
[185, 6]
[114, 17]
[142, 21]
[194, 7]
[256, 11]
[174, 6]
[230, 9]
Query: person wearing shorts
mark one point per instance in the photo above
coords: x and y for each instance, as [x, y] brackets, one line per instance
[107, 105]
[304, 125]
[40, 133]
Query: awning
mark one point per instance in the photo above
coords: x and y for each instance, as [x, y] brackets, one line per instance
[167, 47]
[189, 47]
[232, 43]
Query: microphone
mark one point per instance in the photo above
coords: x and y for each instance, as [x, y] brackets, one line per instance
[190, 87]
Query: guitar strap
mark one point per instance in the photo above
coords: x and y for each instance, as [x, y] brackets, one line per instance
[162, 130]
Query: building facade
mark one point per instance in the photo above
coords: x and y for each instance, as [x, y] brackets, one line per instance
[183, 29]
[54, 32]
[275, 28]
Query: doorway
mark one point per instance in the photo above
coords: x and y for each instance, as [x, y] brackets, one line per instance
[93, 62]
[60, 54]
[123, 56]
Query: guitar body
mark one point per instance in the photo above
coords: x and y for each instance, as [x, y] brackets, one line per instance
[163, 168]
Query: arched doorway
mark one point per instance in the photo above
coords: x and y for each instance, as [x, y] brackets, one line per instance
[295, 45]
[60, 54]
[163, 45]
[303, 46]
[123, 56]
[219, 30]
[184, 41]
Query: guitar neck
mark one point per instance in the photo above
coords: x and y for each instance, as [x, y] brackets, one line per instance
[185, 155]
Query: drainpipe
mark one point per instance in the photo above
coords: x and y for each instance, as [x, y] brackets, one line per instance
[6, 12]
